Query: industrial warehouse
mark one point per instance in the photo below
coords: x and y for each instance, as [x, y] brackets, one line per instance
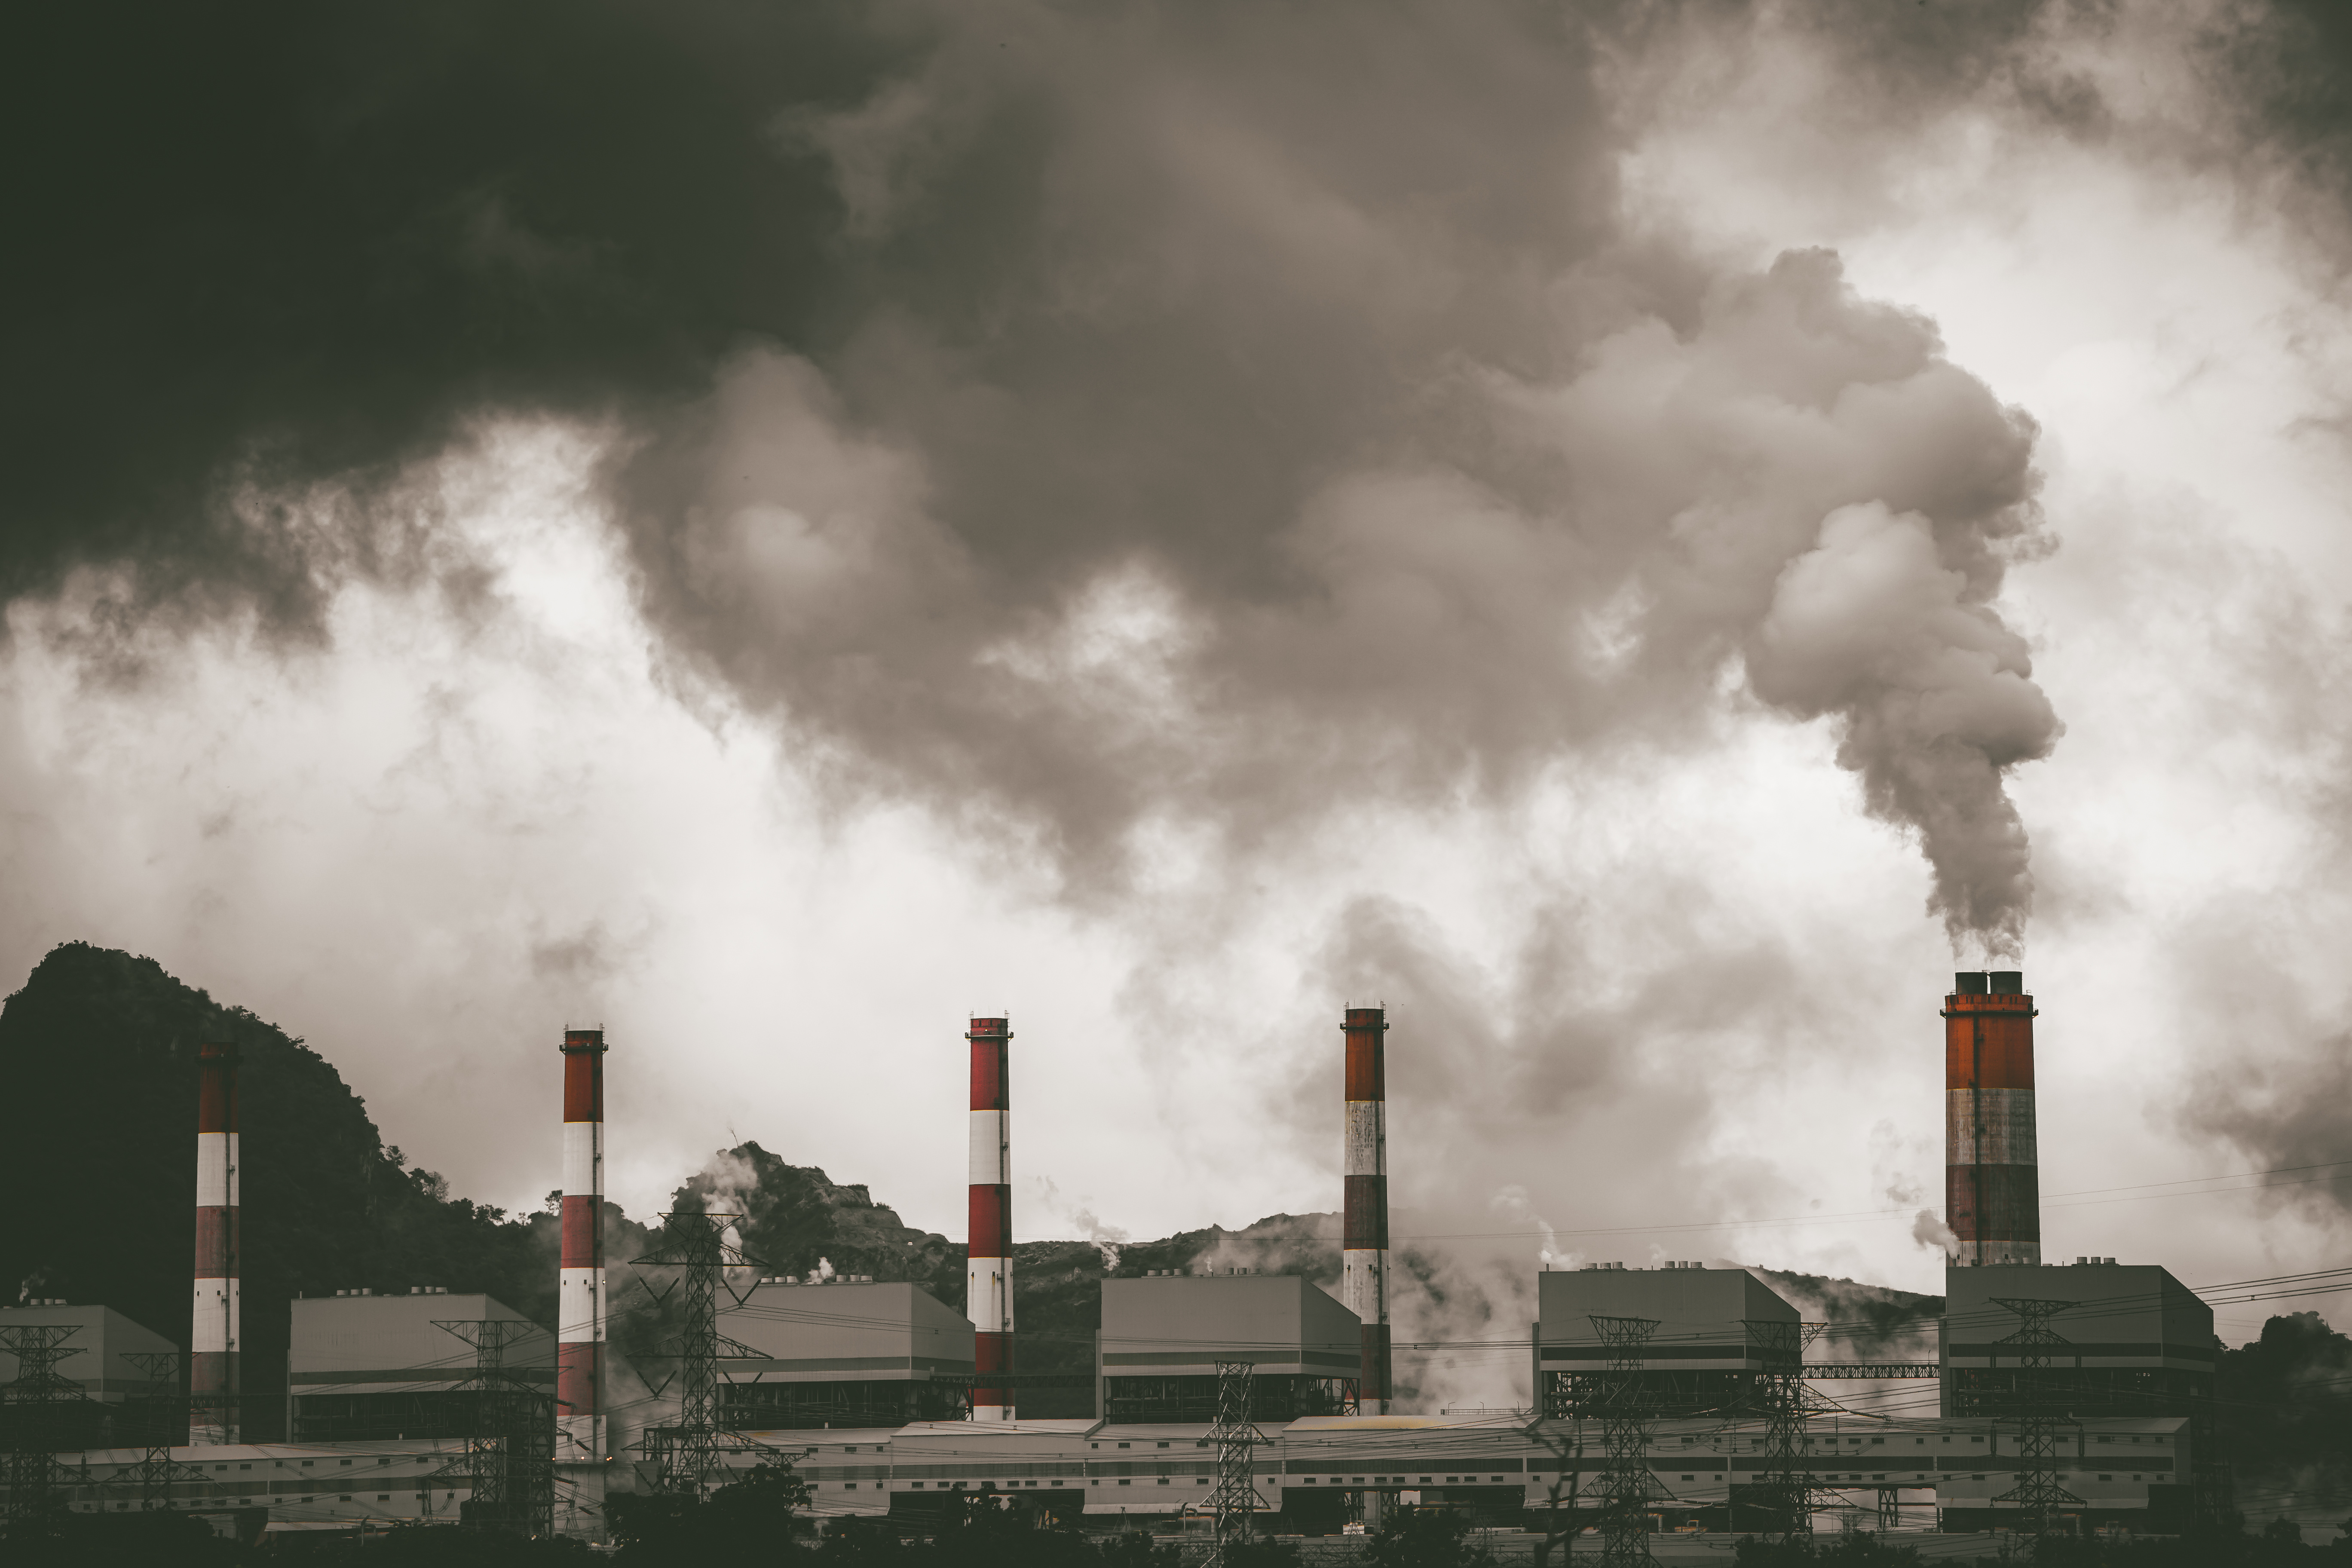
[2070, 1397]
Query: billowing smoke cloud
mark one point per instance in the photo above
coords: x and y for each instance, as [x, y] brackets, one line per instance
[1524, 480]
[1937, 698]
[1096, 424]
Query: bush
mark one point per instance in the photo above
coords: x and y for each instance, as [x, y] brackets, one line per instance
[861, 1544]
[750, 1519]
[1425, 1538]
[144, 1540]
[1135, 1549]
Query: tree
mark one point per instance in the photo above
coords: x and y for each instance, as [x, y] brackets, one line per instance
[1135, 1549]
[1425, 1538]
[1566, 1447]
[438, 1546]
[752, 1519]
[856, 1543]
[141, 1539]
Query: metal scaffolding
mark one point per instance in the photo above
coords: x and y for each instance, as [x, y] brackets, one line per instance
[1625, 1482]
[2039, 1422]
[509, 1464]
[35, 1408]
[1235, 1497]
[685, 1455]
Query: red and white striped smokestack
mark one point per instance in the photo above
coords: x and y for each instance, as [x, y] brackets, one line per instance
[1992, 1177]
[213, 1334]
[988, 1278]
[1364, 1276]
[580, 1292]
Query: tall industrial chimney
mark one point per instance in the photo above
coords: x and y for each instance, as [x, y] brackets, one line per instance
[579, 1291]
[213, 1334]
[1992, 1182]
[1364, 1278]
[988, 1276]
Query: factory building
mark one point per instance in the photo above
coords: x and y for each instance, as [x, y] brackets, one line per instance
[1713, 1333]
[365, 1368]
[843, 1355]
[129, 1376]
[2127, 1470]
[2093, 1376]
[1163, 1335]
[254, 1490]
[2132, 1341]
[2117, 1339]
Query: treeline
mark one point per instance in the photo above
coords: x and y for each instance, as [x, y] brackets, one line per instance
[97, 1145]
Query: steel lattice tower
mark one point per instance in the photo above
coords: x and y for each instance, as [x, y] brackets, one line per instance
[1235, 1497]
[154, 1474]
[1786, 1481]
[33, 1406]
[1624, 1412]
[698, 1245]
[510, 1459]
[2037, 1492]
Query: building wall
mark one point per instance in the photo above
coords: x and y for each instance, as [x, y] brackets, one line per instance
[1175, 1325]
[105, 1340]
[1309, 1467]
[379, 1368]
[2134, 1334]
[1306, 1468]
[1700, 1314]
[297, 1483]
[834, 1355]
[850, 1332]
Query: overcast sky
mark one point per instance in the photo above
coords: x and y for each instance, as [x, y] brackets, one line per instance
[1640, 536]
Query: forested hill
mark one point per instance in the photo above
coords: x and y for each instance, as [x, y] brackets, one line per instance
[98, 1150]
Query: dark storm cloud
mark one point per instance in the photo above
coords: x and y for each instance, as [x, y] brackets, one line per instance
[2285, 70]
[1201, 412]
[294, 240]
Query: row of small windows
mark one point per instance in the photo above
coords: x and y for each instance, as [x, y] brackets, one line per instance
[1424, 1480]
[280, 1463]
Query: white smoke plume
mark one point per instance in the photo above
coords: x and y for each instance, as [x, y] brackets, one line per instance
[1511, 1203]
[1928, 1229]
[729, 1181]
[1107, 1239]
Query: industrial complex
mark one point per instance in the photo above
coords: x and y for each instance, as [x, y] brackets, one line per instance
[2066, 1396]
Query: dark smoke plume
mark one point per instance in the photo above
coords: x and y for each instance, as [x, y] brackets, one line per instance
[1106, 421]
